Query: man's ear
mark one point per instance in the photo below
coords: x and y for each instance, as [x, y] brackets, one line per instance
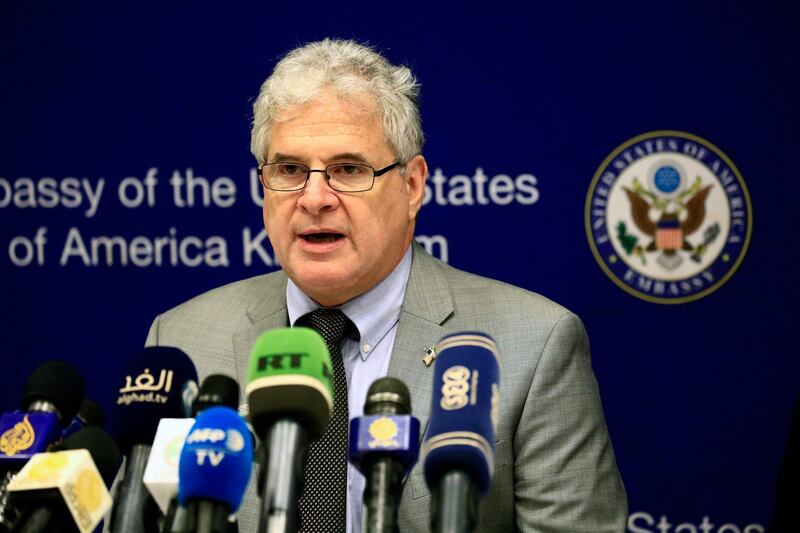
[415, 176]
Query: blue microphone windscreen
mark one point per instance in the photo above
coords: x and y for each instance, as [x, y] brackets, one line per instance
[375, 437]
[23, 435]
[158, 382]
[464, 409]
[216, 459]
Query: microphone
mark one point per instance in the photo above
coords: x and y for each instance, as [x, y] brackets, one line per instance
[101, 446]
[158, 382]
[66, 490]
[384, 445]
[217, 389]
[51, 397]
[459, 448]
[53, 394]
[215, 466]
[290, 398]
[161, 472]
[89, 414]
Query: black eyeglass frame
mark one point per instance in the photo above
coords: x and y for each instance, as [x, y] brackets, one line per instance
[324, 171]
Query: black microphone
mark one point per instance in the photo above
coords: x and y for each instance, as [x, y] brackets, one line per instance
[52, 396]
[217, 390]
[159, 382]
[65, 490]
[100, 445]
[90, 414]
[384, 445]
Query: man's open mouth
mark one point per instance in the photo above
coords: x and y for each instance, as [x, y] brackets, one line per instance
[322, 237]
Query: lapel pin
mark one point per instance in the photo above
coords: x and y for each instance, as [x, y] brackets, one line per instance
[430, 355]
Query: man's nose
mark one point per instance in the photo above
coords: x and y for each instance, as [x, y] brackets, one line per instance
[317, 196]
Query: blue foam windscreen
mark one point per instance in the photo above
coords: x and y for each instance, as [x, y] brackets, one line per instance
[216, 459]
[384, 436]
[158, 382]
[464, 409]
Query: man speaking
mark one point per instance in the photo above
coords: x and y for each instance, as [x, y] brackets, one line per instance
[337, 135]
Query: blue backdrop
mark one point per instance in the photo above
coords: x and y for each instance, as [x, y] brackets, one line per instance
[529, 100]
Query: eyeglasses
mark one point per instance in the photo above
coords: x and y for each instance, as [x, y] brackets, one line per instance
[342, 177]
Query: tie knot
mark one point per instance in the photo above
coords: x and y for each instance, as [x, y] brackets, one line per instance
[332, 324]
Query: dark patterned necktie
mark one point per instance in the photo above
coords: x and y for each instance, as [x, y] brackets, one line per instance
[323, 502]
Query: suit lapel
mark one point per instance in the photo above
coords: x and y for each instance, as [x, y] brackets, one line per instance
[427, 305]
[267, 312]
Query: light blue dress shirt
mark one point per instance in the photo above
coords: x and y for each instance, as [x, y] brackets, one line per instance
[375, 313]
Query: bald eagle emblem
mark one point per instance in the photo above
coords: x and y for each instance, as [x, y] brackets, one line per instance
[668, 217]
[667, 220]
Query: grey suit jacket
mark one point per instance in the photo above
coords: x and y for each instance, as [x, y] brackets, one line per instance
[554, 467]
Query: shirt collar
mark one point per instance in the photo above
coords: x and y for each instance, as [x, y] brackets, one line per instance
[374, 313]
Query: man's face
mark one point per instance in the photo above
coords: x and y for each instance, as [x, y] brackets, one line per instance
[337, 245]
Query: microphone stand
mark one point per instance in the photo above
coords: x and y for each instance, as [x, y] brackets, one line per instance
[129, 513]
[456, 504]
[286, 444]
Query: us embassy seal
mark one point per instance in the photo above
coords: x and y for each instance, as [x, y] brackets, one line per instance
[668, 217]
